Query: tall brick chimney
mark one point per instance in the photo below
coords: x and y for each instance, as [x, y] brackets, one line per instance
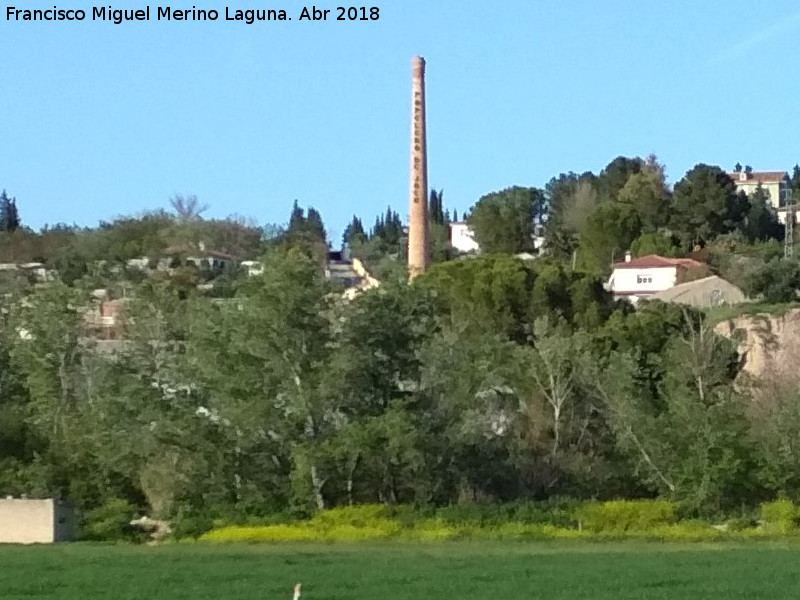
[418, 192]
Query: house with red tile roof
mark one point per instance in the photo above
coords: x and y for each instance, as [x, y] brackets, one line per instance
[774, 183]
[638, 278]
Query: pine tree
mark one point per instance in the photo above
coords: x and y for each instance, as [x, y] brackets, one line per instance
[297, 219]
[314, 224]
[378, 228]
[796, 181]
[433, 209]
[436, 207]
[9, 216]
[354, 233]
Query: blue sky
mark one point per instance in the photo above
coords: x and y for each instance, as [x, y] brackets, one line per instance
[98, 120]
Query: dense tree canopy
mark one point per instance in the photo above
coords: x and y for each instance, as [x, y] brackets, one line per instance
[706, 205]
[505, 221]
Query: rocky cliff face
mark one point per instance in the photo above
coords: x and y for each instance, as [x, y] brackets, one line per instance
[769, 345]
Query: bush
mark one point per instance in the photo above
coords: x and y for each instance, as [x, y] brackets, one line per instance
[689, 531]
[780, 516]
[777, 281]
[357, 516]
[267, 533]
[383, 530]
[655, 520]
[619, 516]
[555, 512]
[433, 530]
[741, 524]
[191, 525]
[111, 522]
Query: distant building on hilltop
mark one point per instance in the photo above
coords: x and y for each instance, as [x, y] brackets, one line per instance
[775, 183]
[463, 239]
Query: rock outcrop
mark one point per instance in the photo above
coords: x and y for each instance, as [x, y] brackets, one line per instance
[769, 344]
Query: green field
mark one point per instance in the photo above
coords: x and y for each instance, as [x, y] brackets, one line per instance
[395, 572]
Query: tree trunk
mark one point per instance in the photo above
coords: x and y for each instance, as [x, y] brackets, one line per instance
[317, 483]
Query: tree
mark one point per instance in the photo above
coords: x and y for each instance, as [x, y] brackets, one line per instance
[608, 233]
[187, 208]
[796, 182]
[689, 441]
[646, 192]
[570, 200]
[775, 425]
[555, 369]
[305, 232]
[9, 216]
[470, 411]
[706, 205]
[503, 294]
[354, 234]
[615, 176]
[761, 220]
[776, 282]
[297, 218]
[144, 410]
[314, 224]
[436, 207]
[505, 221]
[47, 352]
[271, 379]
[655, 243]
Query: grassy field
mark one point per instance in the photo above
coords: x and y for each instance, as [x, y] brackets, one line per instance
[394, 572]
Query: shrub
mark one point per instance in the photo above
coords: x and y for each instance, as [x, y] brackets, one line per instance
[191, 525]
[741, 524]
[619, 516]
[688, 531]
[556, 512]
[267, 533]
[357, 516]
[111, 522]
[433, 530]
[352, 533]
[780, 516]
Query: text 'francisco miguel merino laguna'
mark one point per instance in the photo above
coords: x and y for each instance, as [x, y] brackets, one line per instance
[167, 13]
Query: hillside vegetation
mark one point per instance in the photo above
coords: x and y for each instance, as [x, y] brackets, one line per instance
[224, 398]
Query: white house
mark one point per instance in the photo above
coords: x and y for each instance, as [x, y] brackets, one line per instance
[463, 240]
[252, 267]
[774, 183]
[638, 278]
[461, 237]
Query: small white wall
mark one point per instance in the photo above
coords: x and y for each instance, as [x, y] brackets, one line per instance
[461, 238]
[25, 521]
[628, 280]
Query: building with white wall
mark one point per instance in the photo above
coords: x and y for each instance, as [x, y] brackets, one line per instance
[775, 183]
[638, 278]
[24, 521]
[463, 240]
[461, 237]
